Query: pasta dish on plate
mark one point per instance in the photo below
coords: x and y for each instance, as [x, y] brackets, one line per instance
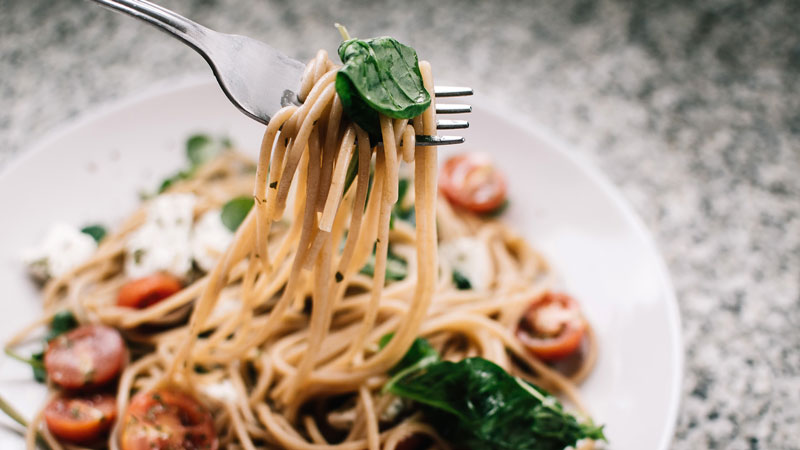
[323, 296]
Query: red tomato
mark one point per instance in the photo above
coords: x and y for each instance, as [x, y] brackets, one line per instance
[167, 419]
[471, 181]
[143, 292]
[553, 326]
[88, 356]
[81, 420]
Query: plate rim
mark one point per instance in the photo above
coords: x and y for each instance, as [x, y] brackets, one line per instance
[504, 113]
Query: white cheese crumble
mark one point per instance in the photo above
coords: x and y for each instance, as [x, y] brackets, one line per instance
[471, 258]
[222, 391]
[210, 239]
[64, 247]
[162, 243]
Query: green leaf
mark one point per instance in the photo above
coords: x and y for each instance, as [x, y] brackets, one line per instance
[39, 372]
[62, 322]
[36, 361]
[476, 404]
[396, 267]
[380, 75]
[97, 232]
[417, 356]
[462, 282]
[172, 179]
[201, 148]
[235, 211]
[352, 172]
[499, 210]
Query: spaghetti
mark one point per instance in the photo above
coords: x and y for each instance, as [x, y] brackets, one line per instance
[286, 324]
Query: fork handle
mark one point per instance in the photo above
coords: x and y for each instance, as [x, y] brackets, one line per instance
[191, 33]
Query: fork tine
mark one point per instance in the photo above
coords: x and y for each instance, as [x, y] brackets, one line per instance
[443, 124]
[427, 141]
[452, 108]
[451, 91]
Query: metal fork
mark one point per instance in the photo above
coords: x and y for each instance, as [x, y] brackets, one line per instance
[257, 78]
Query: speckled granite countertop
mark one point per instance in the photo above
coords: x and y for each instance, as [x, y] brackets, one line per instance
[693, 111]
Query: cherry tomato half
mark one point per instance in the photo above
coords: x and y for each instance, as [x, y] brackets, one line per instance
[143, 292]
[88, 356]
[471, 181]
[553, 326]
[81, 419]
[167, 419]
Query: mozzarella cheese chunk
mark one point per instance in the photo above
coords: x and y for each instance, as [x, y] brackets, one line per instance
[210, 239]
[64, 247]
[163, 242]
[471, 258]
[222, 391]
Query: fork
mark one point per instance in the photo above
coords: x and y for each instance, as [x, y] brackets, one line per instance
[256, 78]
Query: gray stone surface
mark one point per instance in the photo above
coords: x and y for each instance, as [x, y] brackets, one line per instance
[691, 108]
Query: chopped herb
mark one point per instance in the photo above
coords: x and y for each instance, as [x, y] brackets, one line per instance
[97, 232]
[462, 282]
[234, 212]
[499, 210]
[88, 376]
[339, 277]
[138, 254]
[273, 185]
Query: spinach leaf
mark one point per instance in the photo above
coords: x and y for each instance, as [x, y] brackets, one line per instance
[476, 404]
[379, 75]
[201, 148]
[97, 232]
[419, 355]
[234, 212]
[396, 267]
[462, 282]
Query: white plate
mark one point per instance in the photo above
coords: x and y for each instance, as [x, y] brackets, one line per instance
[92, 171]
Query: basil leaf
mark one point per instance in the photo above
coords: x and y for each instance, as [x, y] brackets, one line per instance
[62, 322]
[234, 212]
[201, 148]
[476, 404]
[37, 364]
[97, 232]
[380, 75]
[172, 179]
[36, 361]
